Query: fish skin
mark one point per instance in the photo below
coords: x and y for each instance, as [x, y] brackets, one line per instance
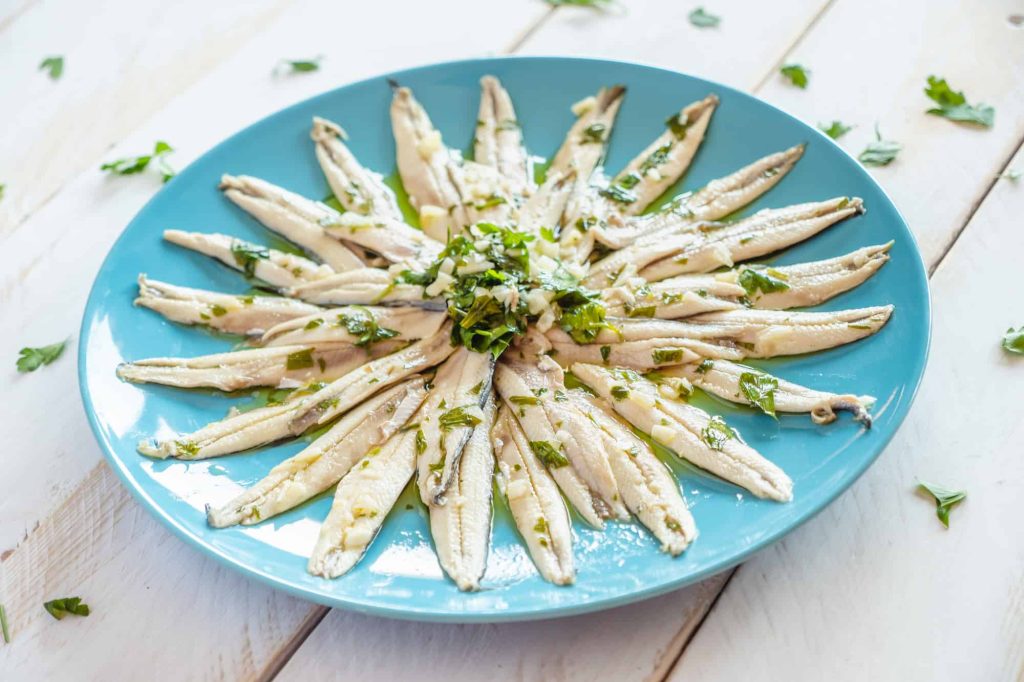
[498, 141]
[533, 495]
[461, 528]
[764, 232]
[573, 430]
[714, 201]
[255, 367]
[280, 270]
[322, 464]
[290, 215]
[246, 315]
[648, 488]
[355, 187]
[722, 378]
[453, 387]
[365, 286]
[637, 355]
[328, 326]
[683, 424]
[396, 241]
[362, 501]
[653, 182]
[538, 428]
[344, 393]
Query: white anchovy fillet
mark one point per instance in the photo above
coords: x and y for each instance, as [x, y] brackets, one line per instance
[277, 268]
[808, 284]
[587, 139]
[689, 431]
[453, 411]
[546, 206]
[341, 395]
[713, 246]
[237, 432]
[714, 201]
[292, 216]
[282, 366]
[250, 315]
[545, 444]
[357, 325]
[355, 187]
[648, 487]
[641, 355]
[363, 499]
[392, 239]
[725, 379]
[673, 298]
[365, 286]
[540, 381]
[461, 527]
[326, 460]
[664, 161]
[535, 502]
[498, 141]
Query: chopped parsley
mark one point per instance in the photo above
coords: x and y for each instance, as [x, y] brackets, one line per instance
[619, 392]
[314, 323]
[1013, 340]
[716, 433]
[641, 311]
[796, 74]
[31, 359]
[767, 281]
[678, 124]
[880, 152]
[945, 499]
[618, 193]
[541, 526]
[421, 442]
[361, 323]
[548, 454]
[953, 105]
[137, 164]
[702, 19]
[58, 608]
[759, 389]
[300, 359]
[3, 625]
[299, 65]
[657, 158]
[835, 129]
[54, 67]
[606, 351]
[524, 400]
[705, 365]
[1011, 174]
[594, 133]
[663, 356]
[457, 416]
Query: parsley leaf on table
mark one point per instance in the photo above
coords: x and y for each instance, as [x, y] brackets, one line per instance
[797, 74]
[945, 499]
[31, 359]
[835, 130]
[953, 105]
[300, 65]
[880, 152]
[1013, 341]
[58, 608]
[702, 19]
[54, 66]
[1011, 174]
[137, 164]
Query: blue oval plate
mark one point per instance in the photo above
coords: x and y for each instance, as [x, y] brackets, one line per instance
[400, 576]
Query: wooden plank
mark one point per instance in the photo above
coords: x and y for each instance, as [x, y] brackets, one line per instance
[159, 609]
[886, 52]
[741, 51]
[123, 61]
[610, 645]
[875, 587]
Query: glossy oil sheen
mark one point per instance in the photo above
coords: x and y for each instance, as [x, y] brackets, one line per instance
[400, 576]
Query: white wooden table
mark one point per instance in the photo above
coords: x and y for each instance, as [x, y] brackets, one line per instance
[873, 588]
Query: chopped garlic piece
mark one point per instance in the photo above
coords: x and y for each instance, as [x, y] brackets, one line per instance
[430, 144]
[663, 434]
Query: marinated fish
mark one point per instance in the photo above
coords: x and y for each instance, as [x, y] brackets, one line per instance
[365, 286]
[250, 315]
[739, 384]
[691, 433]
[453, 410]
[498, 141]
[280, 367]
[362, 501]
[292, 216]
[277, 268]
[392, 239]
[538, 382]
[714, 245]
[341, 395]
[326, 460]
[461, 527]
[543, 439]
[534, 500]
[585, 143]
[356, 188]
[358, 325]
[664, 161]
[674, 298]
[648, 487]
[640, 355]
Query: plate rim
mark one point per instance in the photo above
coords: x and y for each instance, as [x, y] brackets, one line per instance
[543, 611]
